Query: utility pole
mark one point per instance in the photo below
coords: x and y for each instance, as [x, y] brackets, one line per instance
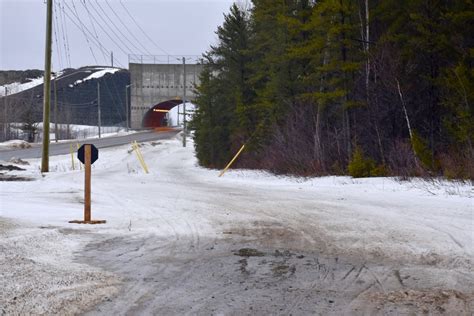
[56, 133]
[47, 87]
[5, 114]
[177, 117]
[98, 106]
[184, 102]
[112, 58]
[127, 105]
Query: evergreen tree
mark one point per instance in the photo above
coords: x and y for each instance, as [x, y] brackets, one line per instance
[334, 28]
[222, 118]
[306, 80]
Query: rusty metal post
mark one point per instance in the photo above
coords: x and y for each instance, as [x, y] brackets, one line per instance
[87, 184]
[87, 188]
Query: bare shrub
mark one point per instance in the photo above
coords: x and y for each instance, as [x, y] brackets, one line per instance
[457, 165]
[291, 149]
[402, 160]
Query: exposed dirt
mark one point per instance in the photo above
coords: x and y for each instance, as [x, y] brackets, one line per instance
[236, 274]
[10, 168]
[429, 302]
[10, 177]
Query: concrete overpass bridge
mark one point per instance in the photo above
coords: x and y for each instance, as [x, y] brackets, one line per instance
[158, 87]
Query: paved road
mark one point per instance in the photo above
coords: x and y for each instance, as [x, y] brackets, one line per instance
[64, 148]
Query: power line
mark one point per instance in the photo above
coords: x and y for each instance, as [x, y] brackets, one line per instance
[93, 26]
[67, 36]
[117, 95]
[143, 31]
[57, 38]
[126, 27]
[82, 29]
[64, 33]
[107, 33]
[81, 26]
[118, 29]
[101, 47]
[30, 98]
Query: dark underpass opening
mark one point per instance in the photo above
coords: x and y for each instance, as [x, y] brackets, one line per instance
[156, 116]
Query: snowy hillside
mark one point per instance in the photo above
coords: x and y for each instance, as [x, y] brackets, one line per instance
[76, 95]
[16, 87]
[100, 72]
[94, 73]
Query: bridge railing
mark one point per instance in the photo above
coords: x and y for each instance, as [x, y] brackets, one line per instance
[163, 59]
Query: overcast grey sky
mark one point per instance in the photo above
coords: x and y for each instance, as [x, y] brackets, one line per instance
[178, 27]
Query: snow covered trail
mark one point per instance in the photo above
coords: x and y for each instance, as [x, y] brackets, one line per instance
[183, 241]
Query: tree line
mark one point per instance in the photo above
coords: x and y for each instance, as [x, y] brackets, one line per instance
[359, 87]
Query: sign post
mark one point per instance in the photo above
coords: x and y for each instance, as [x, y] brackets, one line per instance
[87, 154]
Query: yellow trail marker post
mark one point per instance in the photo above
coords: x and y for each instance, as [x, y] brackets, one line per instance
[72, 157]
[232, 161]
[87, 154]
[80, 166]
[136, 148]
[140, 157]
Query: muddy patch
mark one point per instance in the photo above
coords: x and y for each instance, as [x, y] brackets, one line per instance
[249, 252]
[236, 275]
[427, 302]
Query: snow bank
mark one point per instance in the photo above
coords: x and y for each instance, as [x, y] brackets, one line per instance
[46, 280]
[425, 233]
[379, 215]
[15, 143]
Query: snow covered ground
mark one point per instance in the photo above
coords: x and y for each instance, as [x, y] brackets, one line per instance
[180, 240]
[175, 116]
[15, 143]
